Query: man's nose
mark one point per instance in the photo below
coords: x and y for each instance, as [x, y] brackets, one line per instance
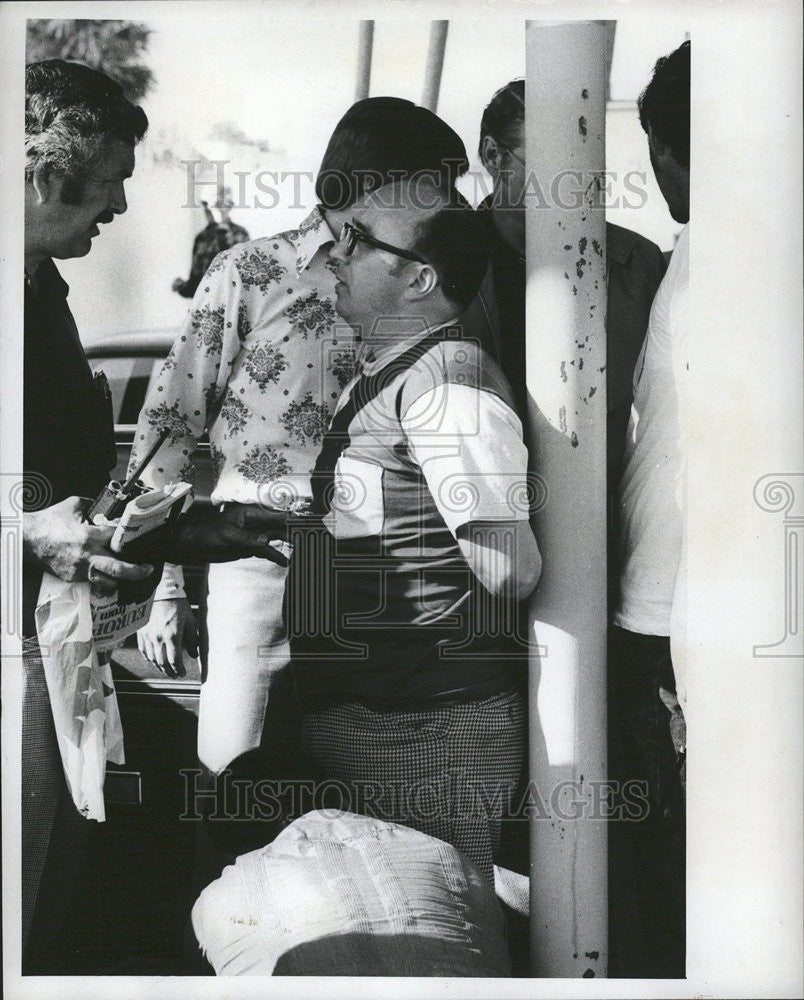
[337, 252]
[117, 199]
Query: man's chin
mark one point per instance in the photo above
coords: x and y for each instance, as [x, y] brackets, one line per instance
[76, 250]
[345, 314]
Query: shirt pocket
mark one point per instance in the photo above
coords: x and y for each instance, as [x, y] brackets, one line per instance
[357, 508]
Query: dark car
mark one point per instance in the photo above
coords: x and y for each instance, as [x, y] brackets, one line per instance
[147, 845]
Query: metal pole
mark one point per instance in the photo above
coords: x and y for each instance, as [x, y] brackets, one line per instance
[611, 35]
[435, 63]
[364, 48]
[566, 359]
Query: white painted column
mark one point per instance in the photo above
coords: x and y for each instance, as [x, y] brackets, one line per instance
[566, 358]
[435, 64]
[365, 46]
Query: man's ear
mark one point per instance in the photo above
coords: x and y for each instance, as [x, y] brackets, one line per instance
[423, 283]
[658, 148]
[42, 184]
[490, 154]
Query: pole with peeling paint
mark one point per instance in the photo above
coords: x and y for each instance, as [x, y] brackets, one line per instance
[364, 50]
[566, 360]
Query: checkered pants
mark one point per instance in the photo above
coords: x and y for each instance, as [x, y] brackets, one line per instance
[448, 771]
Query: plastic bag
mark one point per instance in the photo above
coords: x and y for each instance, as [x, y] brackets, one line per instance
[82, 695]
[336, 894]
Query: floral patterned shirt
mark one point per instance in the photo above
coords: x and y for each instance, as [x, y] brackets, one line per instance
[259, 364]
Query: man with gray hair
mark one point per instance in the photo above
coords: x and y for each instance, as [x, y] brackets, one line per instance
[80, 134]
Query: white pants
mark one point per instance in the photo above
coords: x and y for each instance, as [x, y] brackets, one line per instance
[247, 651]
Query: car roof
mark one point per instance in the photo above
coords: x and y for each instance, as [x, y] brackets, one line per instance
[148, 343]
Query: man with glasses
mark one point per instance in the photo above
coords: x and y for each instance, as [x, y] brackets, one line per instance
[259, 365]
[402, 605]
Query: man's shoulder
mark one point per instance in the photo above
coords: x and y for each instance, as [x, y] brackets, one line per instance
[626, 247]
[454, 359]
[261, 261]
[271, 252]
[455, 348]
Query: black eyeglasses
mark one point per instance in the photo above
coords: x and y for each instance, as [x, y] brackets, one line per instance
[510, 151]
[350, 237]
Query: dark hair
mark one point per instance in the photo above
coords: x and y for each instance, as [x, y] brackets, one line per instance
[71, 112]
[455, 241]
[504, 114]
[385, 139]
[664, 104]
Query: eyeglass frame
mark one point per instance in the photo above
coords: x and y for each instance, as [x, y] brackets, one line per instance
[510, 151]
[350, 236]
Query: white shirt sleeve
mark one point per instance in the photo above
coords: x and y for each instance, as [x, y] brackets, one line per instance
[184, 395]
[469, 445]
[171, 586]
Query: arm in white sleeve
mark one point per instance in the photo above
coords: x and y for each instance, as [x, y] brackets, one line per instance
[185, 396]
[470, 449]
[171, 586]
[503, 555]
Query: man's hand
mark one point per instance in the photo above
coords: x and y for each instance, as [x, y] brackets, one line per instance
[254, 517]
[239, 531]
[170, 627]
[59, 540]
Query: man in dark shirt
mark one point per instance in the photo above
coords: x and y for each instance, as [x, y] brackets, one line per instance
[634, 265]
[74, 183]
[80, 138]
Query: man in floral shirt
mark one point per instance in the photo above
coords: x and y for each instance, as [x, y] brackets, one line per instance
[259, 364]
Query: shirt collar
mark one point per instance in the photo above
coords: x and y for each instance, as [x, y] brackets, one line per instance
[373, 357]
[620, 243]
[46, 280]
[499, 251]
[313, 234]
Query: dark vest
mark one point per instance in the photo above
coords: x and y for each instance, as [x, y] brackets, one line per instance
[392, 615]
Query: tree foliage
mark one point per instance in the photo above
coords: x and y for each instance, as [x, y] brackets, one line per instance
[114, 47]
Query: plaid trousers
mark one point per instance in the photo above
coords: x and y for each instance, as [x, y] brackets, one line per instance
[449, 770]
